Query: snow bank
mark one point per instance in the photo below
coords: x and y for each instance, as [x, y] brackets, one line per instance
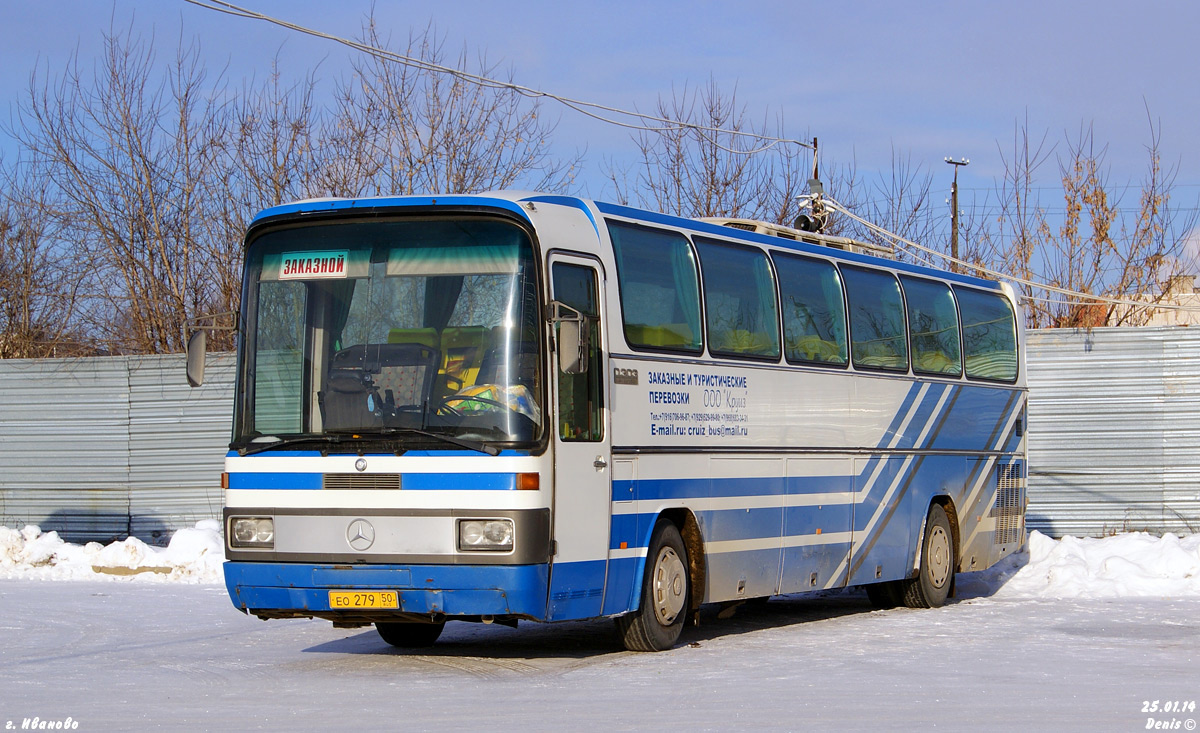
[1135, 564]
[194, 555]
[1132, 564]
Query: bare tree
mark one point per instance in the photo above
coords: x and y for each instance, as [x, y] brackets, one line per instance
[400, 129]
[39, 281]
[898, 199]
[1097, 246]
[270, 155]
[126, 156]
[701, 166]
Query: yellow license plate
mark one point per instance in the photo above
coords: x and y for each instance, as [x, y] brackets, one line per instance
[350, 600]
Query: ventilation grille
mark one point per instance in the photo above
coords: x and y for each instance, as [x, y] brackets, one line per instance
[363, 481]
[741, 225]
[1010, 503]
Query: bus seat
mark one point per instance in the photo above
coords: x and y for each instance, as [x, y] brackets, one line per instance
[499, 366]
[367, 381]
[664, 336]
[815, 348]
[348, 400]
[935, 362]
[462, 355]
[406, 373]
[742, 341]
[423, 336]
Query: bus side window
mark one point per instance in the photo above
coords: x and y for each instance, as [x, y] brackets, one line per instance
[814, 317]
[740, 312]
[989, 335]
[580, 396]
[932, 327]
[660, 293]
[876, 320]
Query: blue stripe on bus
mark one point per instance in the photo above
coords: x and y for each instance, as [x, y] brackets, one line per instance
[458, 481]
[408, 482]
[304, 481]
[808, 520]
[818, 484]
[684, 488]
[623, 529]
[718, 525]
[665, 489]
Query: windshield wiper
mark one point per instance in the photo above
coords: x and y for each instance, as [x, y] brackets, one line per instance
[284, 442]
[474, 445]
[336, 438]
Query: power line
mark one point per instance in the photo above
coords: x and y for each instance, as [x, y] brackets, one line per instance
[665, 125]
[1123, 187]
[1091, 297]
[578, 105]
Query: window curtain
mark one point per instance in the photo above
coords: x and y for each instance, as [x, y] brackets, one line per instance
[687, 292]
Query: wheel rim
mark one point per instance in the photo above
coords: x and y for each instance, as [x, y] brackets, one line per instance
[938, 556]
[669, 587]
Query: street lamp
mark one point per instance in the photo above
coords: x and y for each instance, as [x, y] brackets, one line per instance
[954, 211]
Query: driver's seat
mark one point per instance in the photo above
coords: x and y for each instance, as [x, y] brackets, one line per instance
[369, 382]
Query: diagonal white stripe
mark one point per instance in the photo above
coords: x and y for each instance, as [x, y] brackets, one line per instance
[861, 537]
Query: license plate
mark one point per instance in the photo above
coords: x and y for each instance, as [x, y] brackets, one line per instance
[349, 600]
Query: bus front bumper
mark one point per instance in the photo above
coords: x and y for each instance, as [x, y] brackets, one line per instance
[291, 590]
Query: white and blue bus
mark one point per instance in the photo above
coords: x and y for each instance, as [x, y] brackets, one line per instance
[518, 406]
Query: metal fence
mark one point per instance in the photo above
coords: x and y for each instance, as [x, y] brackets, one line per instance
[103, 448]
[1114, 430]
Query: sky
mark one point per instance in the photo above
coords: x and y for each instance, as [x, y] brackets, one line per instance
[871, 80]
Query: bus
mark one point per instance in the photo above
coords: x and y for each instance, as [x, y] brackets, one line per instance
[516, 406]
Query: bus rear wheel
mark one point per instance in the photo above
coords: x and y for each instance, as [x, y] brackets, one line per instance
[410, 635]
[936, 574]
[666, 589]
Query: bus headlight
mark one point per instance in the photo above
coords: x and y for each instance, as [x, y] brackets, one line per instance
[252, 532]
[485, 535]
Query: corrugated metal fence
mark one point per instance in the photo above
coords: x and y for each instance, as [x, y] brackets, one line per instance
[1114, 430]
[102, 448]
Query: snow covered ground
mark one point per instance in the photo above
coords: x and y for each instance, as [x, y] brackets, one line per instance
[1077, 634]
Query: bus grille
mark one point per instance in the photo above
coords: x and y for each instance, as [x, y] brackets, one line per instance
[1010, 500]
[367, 481]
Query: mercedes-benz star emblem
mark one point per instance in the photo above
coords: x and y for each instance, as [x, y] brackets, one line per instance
[360, 464]
[360, 534]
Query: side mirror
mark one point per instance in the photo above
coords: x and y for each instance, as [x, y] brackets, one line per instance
[574, 338]
[196, 347]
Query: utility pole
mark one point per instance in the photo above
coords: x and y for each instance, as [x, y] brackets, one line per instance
[954, 211]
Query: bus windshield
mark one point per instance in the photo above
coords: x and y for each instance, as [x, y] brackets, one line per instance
[403, 329]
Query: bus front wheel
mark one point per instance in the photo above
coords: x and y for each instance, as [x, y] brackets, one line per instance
[932, 584]
[410, 635]
[666, 587]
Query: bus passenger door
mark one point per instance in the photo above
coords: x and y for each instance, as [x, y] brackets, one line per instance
[582, 455]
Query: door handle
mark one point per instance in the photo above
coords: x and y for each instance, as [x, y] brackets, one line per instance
[600, 464]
